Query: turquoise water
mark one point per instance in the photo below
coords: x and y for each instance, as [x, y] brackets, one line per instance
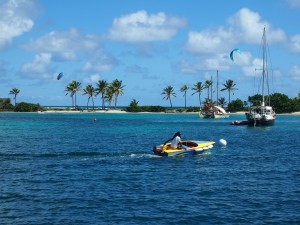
[68, 169]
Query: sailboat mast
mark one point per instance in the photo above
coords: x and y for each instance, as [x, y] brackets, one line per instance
[264, 66]
[217, 87]
[211, 87]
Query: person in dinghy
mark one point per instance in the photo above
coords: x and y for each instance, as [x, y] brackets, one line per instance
[175, 141]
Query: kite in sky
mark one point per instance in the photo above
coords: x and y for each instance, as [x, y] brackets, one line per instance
[60, 75]
[234, 50]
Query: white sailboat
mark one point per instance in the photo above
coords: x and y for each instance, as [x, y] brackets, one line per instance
[212, 111]
[262, 115]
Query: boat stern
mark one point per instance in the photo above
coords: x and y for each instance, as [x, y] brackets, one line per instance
[159, 150]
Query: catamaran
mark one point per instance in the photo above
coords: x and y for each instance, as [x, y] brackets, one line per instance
[263, 115]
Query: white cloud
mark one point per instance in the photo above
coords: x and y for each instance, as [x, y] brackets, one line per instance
[136, 69]
[295, 72]
[64, 43]
[295, 43]
[92, 79]
[245, 26]
[14, 19]
[248, 25]
[253, 68]
[187, 67]
[208, 41]
[144, 27]
[214, 63]
[294, 3]
[39, 67]
[100, 62]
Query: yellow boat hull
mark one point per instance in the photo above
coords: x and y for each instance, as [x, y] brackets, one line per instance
[189, 147]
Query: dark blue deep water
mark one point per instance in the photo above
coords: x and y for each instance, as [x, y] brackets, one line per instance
[60, 168]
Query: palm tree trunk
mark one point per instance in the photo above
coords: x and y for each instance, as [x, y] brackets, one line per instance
[87, 105]
[171, 102]
[103, 102]
[116, 99]
[93, 103]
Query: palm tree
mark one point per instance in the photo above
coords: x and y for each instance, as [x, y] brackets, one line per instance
[72, 88]
[184, 89]
[69, 89]
[169, 93]
[134, 106]
[15, 92]
[90, 91]
[109, 95]
[229, 86]
[117, 90]
[76, 87]
[208, 84]
[102, 86]
[198, 88]
[221, 102]
[208, 102]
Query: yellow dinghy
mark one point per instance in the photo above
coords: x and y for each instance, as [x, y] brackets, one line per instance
[189, 147]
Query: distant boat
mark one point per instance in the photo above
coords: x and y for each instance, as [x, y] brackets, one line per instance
[262, 115]
[212, 111]
[240, 122]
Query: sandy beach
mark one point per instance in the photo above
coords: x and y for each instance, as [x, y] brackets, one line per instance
[121, 111]
[84, 111]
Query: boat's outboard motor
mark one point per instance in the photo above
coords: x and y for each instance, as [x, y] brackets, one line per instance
[157, 150]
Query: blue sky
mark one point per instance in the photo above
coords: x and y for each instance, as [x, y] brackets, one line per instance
[148, 45]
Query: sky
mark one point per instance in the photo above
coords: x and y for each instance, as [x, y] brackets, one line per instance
[148, 45]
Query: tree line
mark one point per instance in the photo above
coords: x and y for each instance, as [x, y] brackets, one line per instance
[198, 88]
[110, 92]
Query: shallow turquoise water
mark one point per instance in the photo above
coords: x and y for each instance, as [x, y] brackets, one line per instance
[68, 169]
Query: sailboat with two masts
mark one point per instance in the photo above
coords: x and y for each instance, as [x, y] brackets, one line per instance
[263, 115]
[213, 111]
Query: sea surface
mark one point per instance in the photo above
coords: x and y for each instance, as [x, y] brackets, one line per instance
[66, 168]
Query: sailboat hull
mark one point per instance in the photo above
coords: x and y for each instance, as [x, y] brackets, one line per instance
[260, 120]
[213, 112]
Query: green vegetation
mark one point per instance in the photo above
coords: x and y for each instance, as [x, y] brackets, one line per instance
[27, 107]
[90, 91]
[281, 102]
[198, 88]
[5, 104]
[168, 93]
[134, 107]
[15, 92]
[229, 86]
[111, 91]
[236, 105]
[101, 88]
[72, 88]
[184, 89]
